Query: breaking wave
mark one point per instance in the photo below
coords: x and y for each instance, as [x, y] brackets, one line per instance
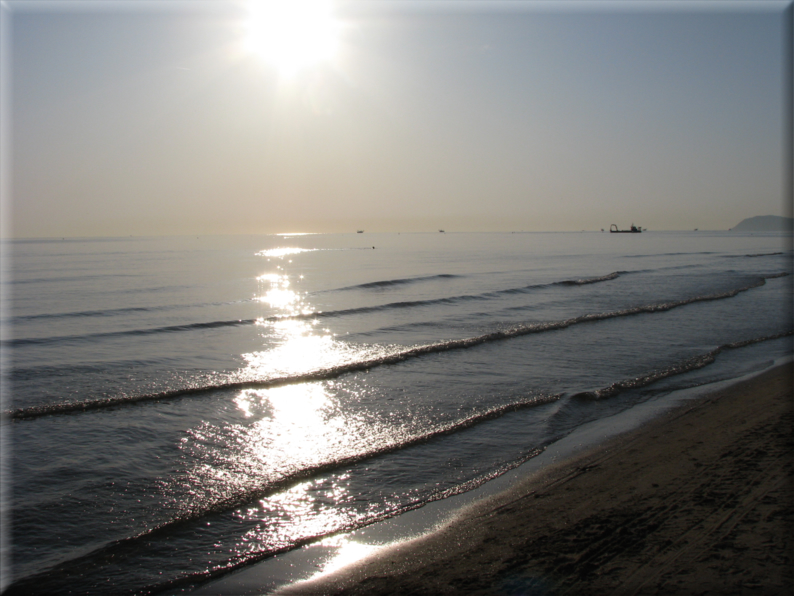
[395, 357]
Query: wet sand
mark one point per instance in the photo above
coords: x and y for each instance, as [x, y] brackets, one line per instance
[698, 501]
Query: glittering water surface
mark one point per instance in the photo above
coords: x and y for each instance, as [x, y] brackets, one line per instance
[181, 407]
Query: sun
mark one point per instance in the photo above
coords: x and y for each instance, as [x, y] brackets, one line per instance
[292, 34]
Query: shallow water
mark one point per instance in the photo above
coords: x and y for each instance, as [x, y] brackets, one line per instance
[186, 406]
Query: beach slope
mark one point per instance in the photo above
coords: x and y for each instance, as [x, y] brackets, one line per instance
[698, 501]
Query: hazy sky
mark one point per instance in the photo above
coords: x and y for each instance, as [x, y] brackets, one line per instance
[160, 118]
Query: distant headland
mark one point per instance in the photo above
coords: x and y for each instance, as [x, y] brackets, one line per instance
[765, 223]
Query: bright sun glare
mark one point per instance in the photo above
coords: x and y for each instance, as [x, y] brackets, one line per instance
[292, 34]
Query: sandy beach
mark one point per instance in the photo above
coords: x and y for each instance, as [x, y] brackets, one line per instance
[698, 501]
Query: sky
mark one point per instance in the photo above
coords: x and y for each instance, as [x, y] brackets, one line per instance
[173, 117]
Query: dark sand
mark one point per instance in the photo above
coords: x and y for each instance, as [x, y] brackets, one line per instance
[698, 501]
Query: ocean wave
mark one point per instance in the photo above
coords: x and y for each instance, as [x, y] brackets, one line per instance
[80, 278]
[91, 313]
[396, 357]
[445, 300]
[670, 254]
[410, 280]
[24, 341]
[388, 283]
[302, 316]
[679, 368]
[112, 312]
[760, 254]
[591, 280]
[120, 548]
[125, 546]
[487, 295]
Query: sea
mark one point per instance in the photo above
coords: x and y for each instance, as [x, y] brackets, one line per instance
[177, 408]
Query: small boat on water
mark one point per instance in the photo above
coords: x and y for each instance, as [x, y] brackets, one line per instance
[613, 229]
[359, 231]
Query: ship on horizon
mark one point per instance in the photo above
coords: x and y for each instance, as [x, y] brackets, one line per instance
[613, 229]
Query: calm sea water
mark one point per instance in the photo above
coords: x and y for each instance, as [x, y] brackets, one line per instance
[182, 407]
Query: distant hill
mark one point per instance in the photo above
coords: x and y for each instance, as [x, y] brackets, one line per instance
[765, 223]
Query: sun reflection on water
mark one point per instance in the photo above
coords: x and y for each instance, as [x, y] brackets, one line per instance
[305, 510]
[283, 251]
[300, 349]
[285, 431]
[296, 346]
[274, 436]
[347, 551]
[274, 290]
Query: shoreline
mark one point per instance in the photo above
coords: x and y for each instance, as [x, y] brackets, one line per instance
[331, 564]
[698, 500]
